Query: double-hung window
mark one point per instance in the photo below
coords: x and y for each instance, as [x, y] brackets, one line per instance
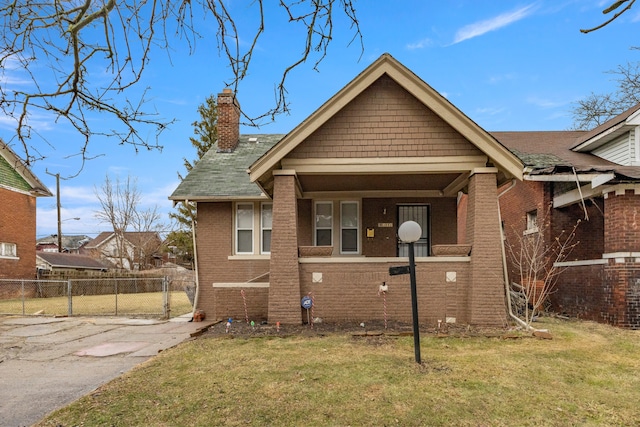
[244, 228]
[266, 221]
[532, 222]
[349, 228]
[324, 224]
[8, 250]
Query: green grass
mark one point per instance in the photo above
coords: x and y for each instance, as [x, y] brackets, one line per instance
[149, 303]
[586, 376]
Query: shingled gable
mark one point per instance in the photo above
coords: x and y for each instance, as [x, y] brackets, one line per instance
[499, 156]
[15, 174]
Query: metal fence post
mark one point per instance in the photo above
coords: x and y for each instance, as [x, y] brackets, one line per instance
[116, 289]
[23, 296]
[70, 293]
[166, 307]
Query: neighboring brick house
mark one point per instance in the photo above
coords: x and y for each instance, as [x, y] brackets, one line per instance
[137, 250]
[601, 277]
[318, 211]
[19, 188]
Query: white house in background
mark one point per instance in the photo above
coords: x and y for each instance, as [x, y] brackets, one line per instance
[140, 250]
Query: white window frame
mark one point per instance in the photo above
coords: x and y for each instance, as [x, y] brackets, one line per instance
[315, 222]
[357, 227]
[8, 250]
[264, 228]
[532, 222]
[237, 229]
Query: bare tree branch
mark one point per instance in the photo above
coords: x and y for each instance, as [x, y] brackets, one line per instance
[81, 58]
[596, 109]
[615, 5]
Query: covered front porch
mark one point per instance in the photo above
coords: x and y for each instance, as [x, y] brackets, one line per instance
[334, 240]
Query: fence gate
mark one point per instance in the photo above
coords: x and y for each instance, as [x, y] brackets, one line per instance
[146, 297]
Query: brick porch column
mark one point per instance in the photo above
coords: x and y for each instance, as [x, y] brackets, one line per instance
[284, 288]
[486, 296]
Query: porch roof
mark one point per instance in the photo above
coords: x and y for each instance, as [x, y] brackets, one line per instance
[223, 176]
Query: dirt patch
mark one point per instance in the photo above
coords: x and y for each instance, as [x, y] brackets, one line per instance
[242, 329]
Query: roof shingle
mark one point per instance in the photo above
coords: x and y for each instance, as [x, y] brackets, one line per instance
[222, 176]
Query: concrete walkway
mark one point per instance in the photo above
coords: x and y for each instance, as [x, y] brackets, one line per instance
[47, 363]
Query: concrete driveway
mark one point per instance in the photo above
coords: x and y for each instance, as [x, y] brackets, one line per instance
[47, 363]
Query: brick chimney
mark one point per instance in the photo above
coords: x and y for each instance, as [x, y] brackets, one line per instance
[228, 121]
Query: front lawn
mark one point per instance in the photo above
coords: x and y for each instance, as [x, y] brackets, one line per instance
[587, 375]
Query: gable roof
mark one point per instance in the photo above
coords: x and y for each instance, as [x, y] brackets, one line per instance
[609, 130]
[550, 152]
[223, 176]
[15, 174]
[68, 241]
[133, 237]
[386, 64]
[66, 260]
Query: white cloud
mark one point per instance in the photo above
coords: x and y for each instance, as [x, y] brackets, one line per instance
[490, 111]
[500, 78]
[545, 103]
[479, 28]
[420, 44]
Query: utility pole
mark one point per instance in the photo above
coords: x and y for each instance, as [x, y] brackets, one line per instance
[57, 175]
[58, 205]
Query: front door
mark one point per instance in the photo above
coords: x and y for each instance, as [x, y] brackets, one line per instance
[419, 214]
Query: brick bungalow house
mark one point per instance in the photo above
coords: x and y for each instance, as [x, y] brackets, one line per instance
[592, 176]
[19, 188]
[316, 212]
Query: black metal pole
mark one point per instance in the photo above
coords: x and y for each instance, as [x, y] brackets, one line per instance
[414, 303]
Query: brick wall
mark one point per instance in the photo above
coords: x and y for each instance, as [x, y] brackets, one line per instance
[231, 303]
[622, 294]
[384, 121]
[384, 211]
[621, 228]
[589, 238]
[284, 290]
[18, 225]
[350, 292]
[579, 292]
[305, 222]
[487, 293]
[215, 245]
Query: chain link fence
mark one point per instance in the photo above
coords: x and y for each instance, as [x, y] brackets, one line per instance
[135, 297]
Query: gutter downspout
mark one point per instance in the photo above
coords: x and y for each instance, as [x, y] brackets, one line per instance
[195, 261]
[504, 263]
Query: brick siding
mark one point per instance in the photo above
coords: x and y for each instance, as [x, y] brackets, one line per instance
[579, 293]
[284, 289]
[487, 294]
[215, 245]
[621, 229]
[18, 225]
[350, 292]
[228, 121]
[377, 211]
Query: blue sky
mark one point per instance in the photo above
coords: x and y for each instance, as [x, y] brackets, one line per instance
[508, 65]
